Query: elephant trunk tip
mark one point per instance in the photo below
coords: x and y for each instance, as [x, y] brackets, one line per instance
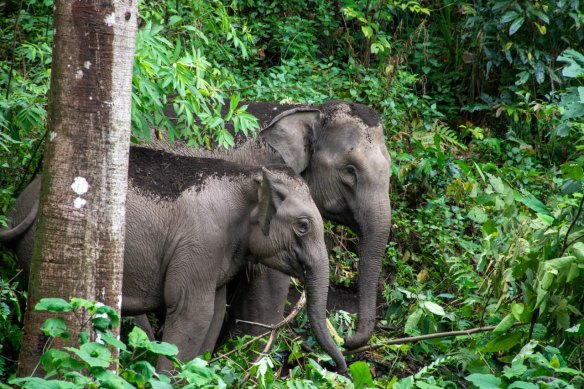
[357, 340]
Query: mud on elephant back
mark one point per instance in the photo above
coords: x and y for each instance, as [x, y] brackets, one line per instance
[339, 150]
[212, 217]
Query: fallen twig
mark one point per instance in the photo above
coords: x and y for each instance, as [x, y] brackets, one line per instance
[299, 305]
[413, 339]
[301, 302]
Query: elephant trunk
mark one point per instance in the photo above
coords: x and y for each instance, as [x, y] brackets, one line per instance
[374, 232]
[8, 235]
[316, 286]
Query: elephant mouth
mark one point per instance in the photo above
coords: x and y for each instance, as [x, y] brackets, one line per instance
[302, 276]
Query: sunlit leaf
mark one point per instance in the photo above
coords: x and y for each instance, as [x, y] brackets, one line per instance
[361, 375]
[53, 305]
[503, 342]
[484, 381]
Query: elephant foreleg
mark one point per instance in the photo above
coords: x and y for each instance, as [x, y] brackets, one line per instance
[186, 325]
[142, 322]
[262, 300]
[218, 315]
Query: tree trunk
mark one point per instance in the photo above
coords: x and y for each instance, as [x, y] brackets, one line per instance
[79, 240]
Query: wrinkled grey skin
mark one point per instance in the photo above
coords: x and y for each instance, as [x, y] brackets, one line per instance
[182, 249]
[339, 150]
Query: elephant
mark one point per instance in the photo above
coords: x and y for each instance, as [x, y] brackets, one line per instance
[191, 225]
[339, 150]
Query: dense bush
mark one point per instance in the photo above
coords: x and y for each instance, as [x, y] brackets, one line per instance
[483, 105]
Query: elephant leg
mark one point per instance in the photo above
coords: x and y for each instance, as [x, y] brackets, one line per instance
[190, 306]
[143, 323]
[218, 315]
[261, 299]
[186, 325]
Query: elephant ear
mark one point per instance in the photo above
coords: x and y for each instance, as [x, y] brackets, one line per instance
[272, 193]
[291, 133]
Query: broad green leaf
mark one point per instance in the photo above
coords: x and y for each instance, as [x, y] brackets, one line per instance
[547, 219]
[156, 384]
[110, 312]
[518, 310]
[144, 370]
[55, 359]
[573, 170]
[505, 324]
[503, 342]
[40, 383]
[411, 326]
[497, 184]
[75, 376]
[558, 263]
[573, 273]
[484, 381]
[53, 305]
[575, 61]
[568, 370]
[578, 329]
[516, 25]
[434, 308]
[110, 339]
[534, 204]
[508, 16]
[101, 323]
[82, 303]
[478, 215]
[367, 31]
[522, 78]
[547, 280]
[54, 327]
[562, 318]
[405, 383]
[516, 369]
[163, 348]
[108, 379]
[578, 250]
[361, 375]
[94, 354]
[525, 351]
[522, 385]
[138, 338]
[425, 385]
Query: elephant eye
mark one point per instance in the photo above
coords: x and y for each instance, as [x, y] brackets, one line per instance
[301, 227]
[349, 174]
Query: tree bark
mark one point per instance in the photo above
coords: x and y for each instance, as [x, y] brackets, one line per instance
[79, 241]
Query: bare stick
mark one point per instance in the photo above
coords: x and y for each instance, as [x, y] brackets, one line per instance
[413, 339]
[273, 333]
[260, 356]
[254, 323]
[299, 305]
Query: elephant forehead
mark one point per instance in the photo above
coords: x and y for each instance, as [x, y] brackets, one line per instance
[300, 201]
[351, 131]
[341, 109]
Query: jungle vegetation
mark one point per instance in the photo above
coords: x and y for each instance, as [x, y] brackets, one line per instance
[483, 109]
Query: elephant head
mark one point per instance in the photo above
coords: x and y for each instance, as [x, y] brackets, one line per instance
[287, 235]
[339, 149]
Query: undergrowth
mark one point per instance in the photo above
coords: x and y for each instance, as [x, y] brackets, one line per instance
[483, 109]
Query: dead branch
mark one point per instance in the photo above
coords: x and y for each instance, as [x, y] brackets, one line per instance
[413, 339]
[299, 305]
[301, 302]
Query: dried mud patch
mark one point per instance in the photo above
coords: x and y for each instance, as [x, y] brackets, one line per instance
[166, 175]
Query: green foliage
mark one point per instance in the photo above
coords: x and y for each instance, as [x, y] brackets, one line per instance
[482, 103]
[171, 67]
[12, 299]
[95, 363]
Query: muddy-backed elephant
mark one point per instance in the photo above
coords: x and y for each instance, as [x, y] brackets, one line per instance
[339, 150]
[191, 225]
